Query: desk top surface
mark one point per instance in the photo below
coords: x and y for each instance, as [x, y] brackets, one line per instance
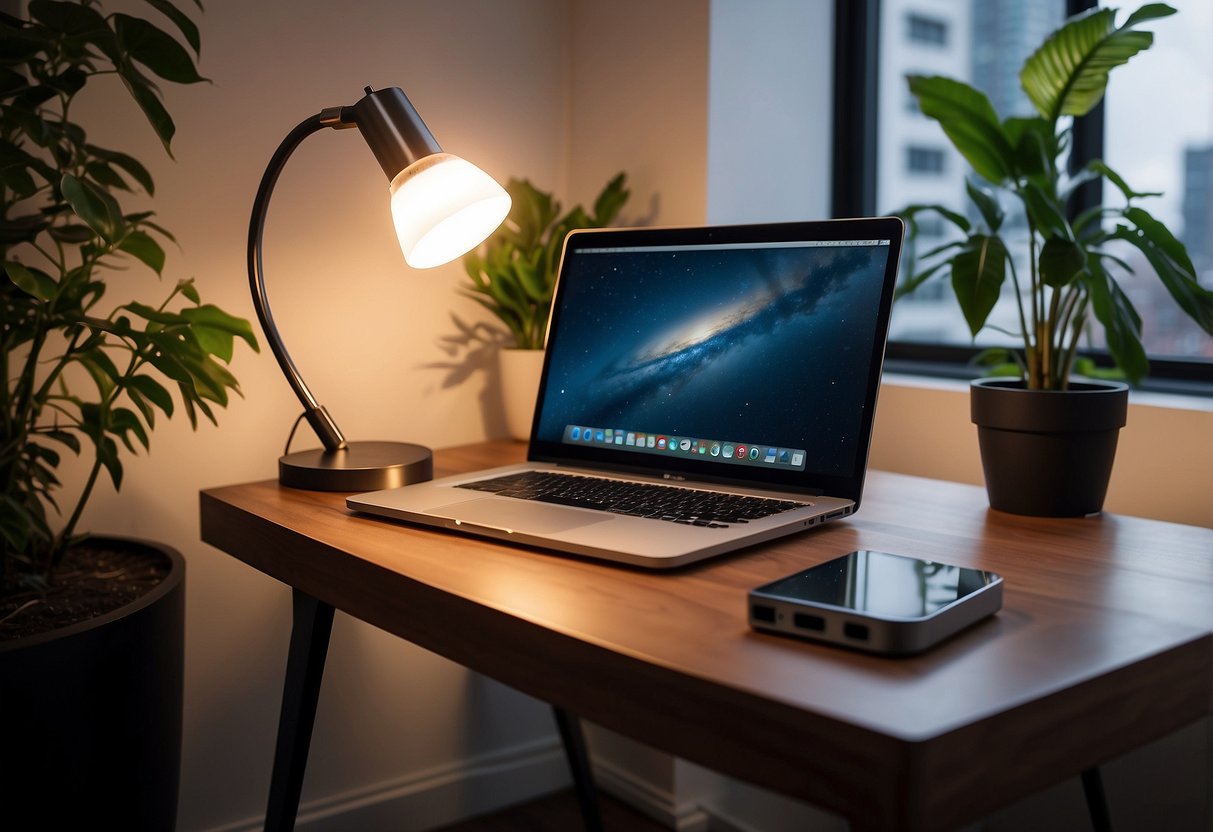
[1103, 642]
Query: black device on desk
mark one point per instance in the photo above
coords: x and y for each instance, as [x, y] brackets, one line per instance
[877, 602]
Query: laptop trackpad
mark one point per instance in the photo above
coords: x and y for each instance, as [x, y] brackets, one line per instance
[519, 515]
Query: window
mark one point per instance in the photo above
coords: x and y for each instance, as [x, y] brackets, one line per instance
[1170, 89]
[926, 30]
[893, 157]
[924, 160]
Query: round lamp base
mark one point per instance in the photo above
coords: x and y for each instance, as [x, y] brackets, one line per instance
[360, 466]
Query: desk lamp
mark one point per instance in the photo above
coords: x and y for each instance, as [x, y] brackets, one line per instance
[442, 207]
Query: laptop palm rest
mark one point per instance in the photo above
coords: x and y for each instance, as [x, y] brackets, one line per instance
[502, 513]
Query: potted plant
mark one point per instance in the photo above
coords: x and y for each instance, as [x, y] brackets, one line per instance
[1047, 439]
[91, 629]
[513, 274]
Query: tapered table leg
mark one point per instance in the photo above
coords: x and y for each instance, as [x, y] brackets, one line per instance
[1097, 801]
[312, 624]
[579, 764]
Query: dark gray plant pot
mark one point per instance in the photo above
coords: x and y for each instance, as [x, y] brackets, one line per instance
[1047, 453]
[90, 715]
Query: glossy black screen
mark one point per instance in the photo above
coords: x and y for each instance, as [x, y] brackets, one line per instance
[881, 584]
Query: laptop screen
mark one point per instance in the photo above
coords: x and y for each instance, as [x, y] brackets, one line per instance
[746, 354]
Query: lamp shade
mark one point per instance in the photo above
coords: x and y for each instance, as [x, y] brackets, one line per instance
[444, 206]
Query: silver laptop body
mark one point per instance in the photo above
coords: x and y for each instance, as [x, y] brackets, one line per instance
[736, 360]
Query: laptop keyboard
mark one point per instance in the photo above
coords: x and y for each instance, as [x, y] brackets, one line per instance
[689, 506]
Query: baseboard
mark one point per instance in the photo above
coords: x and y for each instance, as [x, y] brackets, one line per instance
[658, 804]
[435, 797]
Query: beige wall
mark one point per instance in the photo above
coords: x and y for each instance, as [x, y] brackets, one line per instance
[638, 102]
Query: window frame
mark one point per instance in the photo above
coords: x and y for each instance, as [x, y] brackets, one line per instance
[853, 189]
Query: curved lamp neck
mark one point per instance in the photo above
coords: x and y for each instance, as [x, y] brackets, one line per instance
[320, 420]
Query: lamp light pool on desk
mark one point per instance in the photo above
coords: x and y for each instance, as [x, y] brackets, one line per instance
[442, 206]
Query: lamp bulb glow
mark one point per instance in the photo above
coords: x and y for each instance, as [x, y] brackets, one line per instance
[443, 207]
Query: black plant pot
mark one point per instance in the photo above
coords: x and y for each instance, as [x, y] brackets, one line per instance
[90, 715]
[1047, 453]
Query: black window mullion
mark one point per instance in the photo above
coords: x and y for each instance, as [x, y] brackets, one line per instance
[856, 96]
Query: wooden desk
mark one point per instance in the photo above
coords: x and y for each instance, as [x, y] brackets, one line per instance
[1103, 643]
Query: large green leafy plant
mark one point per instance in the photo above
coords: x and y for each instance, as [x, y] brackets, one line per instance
[1072, 273]
[83, 373]
[513, 273]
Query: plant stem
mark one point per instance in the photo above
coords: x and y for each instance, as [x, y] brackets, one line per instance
[1036, 376]
[65, 536]
[1078, 315]
[1050, 332]
[1023, 322]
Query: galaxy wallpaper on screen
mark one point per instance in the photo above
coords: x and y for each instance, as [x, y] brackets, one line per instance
[769, 346]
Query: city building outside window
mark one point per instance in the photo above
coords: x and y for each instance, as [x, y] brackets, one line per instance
[928, 30]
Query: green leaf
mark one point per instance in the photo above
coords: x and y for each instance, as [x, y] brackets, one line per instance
[64, 438]
[1085, 366]
[93, 205]
[1035, 144]
[530, 278]
[127, 163]
[910, 211]
[969, 120]
[22, 229]
[105, 176]
[71, 234]
[31, 281]
[987, 203]
[145, 249]
[69, 82]
[1121, 323]
[212, 316]
[101, 368]
[155, 315]
[156, 49]
[123, 423]
[1000, 361]
[67, 18]
[171, 367]
[1150, 11]
[214, 341]
[1097, 166]
[153, 391]
[978, 273]
[149, 102]
[1171, 262]
[611, 201]
[107, 454]
[909, 284]
[1044, 210]
[187, 288]
[182, 22]
[1060, 261]
[1068, 74]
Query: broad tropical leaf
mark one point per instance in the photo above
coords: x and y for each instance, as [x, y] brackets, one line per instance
[1068, 74]
[968, 118]
[977, 276]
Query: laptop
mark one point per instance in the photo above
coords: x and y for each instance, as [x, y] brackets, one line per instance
[703, 389]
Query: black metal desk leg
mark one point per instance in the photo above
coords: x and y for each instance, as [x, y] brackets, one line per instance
[1097, 801]
[579, 764]
[313, 622]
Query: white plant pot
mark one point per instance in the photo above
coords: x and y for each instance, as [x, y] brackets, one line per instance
[519, 373]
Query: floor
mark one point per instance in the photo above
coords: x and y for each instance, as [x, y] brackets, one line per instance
[557, 813]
